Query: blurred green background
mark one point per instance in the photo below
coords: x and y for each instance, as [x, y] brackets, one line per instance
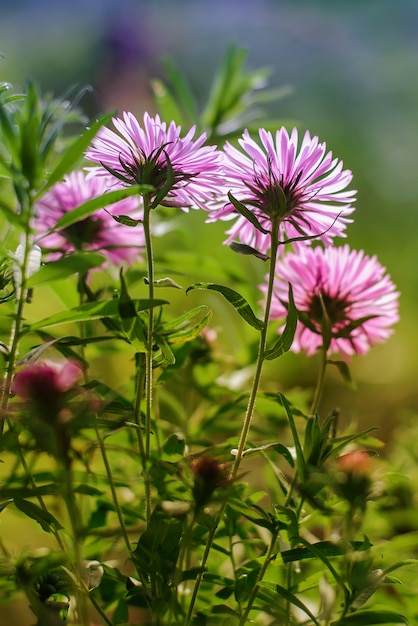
[352, 68]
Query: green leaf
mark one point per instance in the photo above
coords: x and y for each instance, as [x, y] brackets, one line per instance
[125, 219]
[164, 282]
[290, 597]
[278, 447]
[247, 213]
[326, 548]
[92, 311]
[173, 448]
[93, 205]
[284, 343]
[182, 92]
[344, 370]
[165, 355]
[44, 518]
[179, 331]
[238, 302]
[367, 618]
[167, 106]
[242, 248]
[134, 327]
[79, 262]
[75, 152]
[158, 547]
[88, 490]
[224, 609]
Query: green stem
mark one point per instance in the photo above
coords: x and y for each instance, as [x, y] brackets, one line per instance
[150, 337]
[320, 381]
[261, 349]
[113, 491]
[75, 524]
[275, 223]
[261, 573]
[15, 332]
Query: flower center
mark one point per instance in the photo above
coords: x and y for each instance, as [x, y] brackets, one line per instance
[273, 197]
[334, 307]
[83, 233]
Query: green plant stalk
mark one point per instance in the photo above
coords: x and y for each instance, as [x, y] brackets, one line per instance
[150, 337]
[148, 354]
[181, 564]
[74, 519]
[275, 223]
[261, 573]
[113, 491]
[137, 416]
[116, 500]
[320, 381]
[15, 332]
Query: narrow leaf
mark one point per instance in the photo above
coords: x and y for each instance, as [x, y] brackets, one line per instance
[238, 302]
[44, 518]
[284, 343]
[124, 219]
[79, 262]
[290, 597]
[75, 152]
[242, 248]
[247, 213]
[278, 447]
[367, 618]
[326, 548]
[93, 205]
[164, 282]
[92, 311]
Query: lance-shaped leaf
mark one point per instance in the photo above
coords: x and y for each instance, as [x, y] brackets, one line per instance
[79, 262]
[158, 547]
[44, 518]
[133, 326]
[93, 205]
[247, 213]
[367, 618]
[92, 311]
[278, 447]
[290, 597]
[326, 548]
[125, 219]
[242, 248]
[185, 327]
[284, 343]
[73, 154]
[239, 303]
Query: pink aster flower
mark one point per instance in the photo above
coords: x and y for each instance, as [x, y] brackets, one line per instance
[183, 172]
[98, 232]
[359, 298]
[305, 187]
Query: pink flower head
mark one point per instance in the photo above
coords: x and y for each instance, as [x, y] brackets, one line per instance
[98, 232]
[183, 172]
[45, 384]
[340, 289]
[305, 188]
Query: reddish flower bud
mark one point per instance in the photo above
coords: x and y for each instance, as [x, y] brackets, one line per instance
[209, 474]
